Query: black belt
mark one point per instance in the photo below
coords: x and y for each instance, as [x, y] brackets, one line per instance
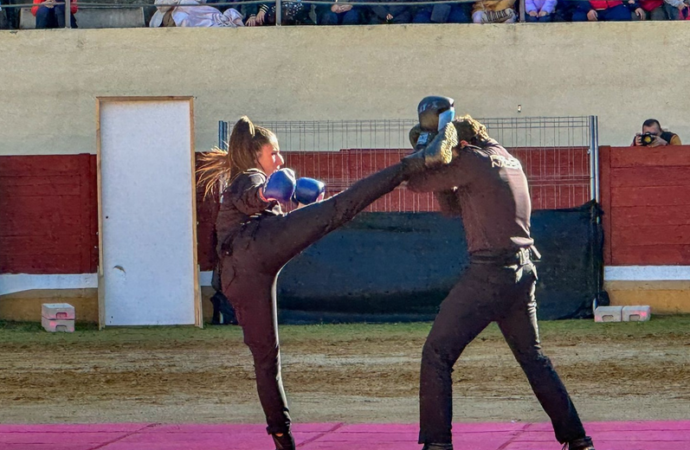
[520, 257]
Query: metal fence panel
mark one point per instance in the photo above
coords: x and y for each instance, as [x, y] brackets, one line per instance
[557, 153]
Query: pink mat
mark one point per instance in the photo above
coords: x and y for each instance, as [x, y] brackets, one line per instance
[335, 436]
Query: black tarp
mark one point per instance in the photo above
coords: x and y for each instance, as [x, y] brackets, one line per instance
[385, 267]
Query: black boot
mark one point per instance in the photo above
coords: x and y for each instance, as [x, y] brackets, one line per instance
[284, 441]
[584, 443]
[437, 447]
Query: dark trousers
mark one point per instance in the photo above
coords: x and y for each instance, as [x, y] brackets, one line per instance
[546, 18]
[53, 17]
[618, 13]
[487, 293]
[403, 17]
[351, 17]
[4, 22]
[252, 264]
[458, 14]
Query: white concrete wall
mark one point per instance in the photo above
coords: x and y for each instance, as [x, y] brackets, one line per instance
[622, 72]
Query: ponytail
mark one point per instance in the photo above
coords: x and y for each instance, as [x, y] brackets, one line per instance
[246, 141]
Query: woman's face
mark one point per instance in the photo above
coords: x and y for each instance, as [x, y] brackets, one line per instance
[270, 159]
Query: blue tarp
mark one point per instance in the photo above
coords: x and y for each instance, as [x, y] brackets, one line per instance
[384, 267]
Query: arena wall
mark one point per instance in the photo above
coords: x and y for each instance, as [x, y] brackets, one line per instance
[621, 72]
[49, 81]
[645, 194]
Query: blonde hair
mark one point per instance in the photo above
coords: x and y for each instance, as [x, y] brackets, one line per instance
[470, 130]
[246, 141]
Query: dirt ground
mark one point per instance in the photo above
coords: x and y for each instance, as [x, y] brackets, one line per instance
[333, 373]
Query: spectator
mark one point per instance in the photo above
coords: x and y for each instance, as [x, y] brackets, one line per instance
[494, 11]
[674, 9]
[4, 23]
[390, 13]
[654, 136]
[539, 10]
[647, 9]
[12, 14]
[565, 10]
[602, 11]
[51, 14]
[174, 13]
[443, 13]
[293, 13]
[339, 14]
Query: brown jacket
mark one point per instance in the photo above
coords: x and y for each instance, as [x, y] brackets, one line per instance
[492, 193]
[242, 202]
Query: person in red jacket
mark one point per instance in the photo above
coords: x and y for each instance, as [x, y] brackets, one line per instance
[648, 10]
[602, 11]
[51, 14]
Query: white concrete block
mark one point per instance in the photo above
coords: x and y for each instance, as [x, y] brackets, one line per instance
[54, 325]
[61, 311]
[608, 314]
[637, 313]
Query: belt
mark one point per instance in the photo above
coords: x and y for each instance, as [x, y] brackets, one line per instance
[520, 257]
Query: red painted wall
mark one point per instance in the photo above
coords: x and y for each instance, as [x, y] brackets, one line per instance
[49, 210]
[645, 194]
[48, 214]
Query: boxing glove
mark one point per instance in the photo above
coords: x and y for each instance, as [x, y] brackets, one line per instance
[309, 190]
[435, 113]
[434, 153]
[280, 186]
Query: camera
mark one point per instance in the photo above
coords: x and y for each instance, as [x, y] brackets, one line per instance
[647, 138]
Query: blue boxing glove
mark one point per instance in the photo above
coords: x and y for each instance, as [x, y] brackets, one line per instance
[280, 186]
[309, 190]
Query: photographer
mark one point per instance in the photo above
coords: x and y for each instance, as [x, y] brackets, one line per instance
[51, 13]
[654, 136]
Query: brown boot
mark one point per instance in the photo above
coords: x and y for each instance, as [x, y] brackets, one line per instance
[284, 441]
[437, 447]
[584, 443]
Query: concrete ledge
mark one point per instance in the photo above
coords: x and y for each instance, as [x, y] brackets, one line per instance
[26, 306]
[11, 283]
[94, 18]
[665, 297]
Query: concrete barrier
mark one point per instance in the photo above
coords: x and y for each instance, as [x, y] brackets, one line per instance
[94, 18]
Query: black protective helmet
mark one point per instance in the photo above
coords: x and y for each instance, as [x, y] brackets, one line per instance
[429, 110]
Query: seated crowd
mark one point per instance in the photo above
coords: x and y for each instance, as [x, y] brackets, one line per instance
[480, 12]
[203, 13]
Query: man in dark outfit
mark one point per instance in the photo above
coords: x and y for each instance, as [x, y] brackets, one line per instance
[487, 187]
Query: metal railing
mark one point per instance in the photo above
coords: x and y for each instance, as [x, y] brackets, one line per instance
[560, 154]
[519, 7]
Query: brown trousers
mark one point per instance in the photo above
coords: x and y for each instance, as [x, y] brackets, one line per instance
[258, 253]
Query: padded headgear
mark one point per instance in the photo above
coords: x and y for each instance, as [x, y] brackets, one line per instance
[429, 110]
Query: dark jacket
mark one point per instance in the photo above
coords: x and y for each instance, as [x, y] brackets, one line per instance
[492, 194]
[381, 11]
[241, 202]
[671, 138]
